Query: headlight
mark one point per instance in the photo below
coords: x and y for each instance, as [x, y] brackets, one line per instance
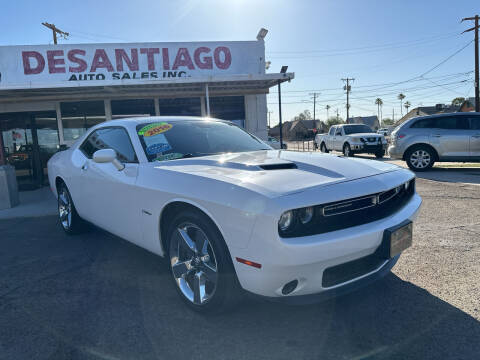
[356, 139]
[286, 220]
[306, 214]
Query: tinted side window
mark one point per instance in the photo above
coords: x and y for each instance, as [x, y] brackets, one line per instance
[451, 122]
[423, 124]
[110, 138]
[332, 130]
[474, 122]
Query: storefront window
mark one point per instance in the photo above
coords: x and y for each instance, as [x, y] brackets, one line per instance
[228, 108]
[79, 116]
[180, 106]
[132, 107]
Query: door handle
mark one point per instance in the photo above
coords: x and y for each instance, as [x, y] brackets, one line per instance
[85, 166]
[437, 135]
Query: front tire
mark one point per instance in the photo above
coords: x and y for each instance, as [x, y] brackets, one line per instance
[380, 154]
[200, 264]
[420, 158]
[323, 148]
[67, 214]
[347, 151]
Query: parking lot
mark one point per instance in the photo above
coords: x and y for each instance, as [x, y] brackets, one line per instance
[95, 296]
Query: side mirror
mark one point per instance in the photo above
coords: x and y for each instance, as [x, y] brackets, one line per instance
[108, 156]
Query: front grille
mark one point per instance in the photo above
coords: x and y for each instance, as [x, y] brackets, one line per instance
[353, 212]
[353, 269]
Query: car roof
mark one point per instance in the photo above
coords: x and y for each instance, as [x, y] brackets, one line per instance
[444, 114]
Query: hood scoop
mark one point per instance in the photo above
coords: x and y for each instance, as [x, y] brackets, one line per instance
[281, 166]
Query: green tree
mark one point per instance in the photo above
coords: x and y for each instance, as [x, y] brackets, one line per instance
[387, 121]
[401, 97]
[333, 121]
[304, 115]
[458, 101]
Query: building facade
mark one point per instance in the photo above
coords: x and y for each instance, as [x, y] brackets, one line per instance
[50, 95]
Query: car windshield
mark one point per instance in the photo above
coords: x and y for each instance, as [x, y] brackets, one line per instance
[169, 140]
[356, 129]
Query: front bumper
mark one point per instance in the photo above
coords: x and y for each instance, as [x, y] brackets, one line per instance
[368, 147]
[306, 258]
[336, 291]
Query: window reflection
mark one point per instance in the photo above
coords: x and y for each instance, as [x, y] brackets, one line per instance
[79, 116]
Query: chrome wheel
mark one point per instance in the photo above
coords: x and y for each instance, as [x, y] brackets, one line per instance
[346, 150]
[65, 209]
[193, 263]
[420, 159]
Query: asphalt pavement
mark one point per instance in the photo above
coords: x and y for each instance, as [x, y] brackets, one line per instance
[95, 296]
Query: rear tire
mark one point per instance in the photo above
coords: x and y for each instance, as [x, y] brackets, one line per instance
[420, 158]
[67, 214]
[380, 154]
[200, 264]
[347, 151]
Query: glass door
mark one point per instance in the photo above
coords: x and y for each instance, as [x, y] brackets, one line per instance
[29, 140]
[18, 146]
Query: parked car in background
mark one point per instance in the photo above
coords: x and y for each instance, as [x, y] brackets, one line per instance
[231, 214]
[422, 141]
[352, 139]
[383, 131]
[274, 143]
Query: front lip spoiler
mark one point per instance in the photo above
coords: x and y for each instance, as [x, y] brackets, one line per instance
[334, 292]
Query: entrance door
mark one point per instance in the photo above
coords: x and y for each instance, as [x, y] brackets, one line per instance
[28, 145]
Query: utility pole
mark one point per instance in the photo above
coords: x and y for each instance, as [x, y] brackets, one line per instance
[337, 114]
[55, 30]
[314, 103]
[348, 88]
[393, 115]
[477, 70]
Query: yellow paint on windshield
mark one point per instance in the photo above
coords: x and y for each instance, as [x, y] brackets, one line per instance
[154, 129]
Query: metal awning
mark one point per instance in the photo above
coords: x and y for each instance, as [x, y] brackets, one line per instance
[179, 87]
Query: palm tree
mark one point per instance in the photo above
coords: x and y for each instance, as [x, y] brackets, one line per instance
[379, 104]
[407, 105]
[327, 107]
[401, 97]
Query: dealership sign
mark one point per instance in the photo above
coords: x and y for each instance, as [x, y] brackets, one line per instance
[110, 64]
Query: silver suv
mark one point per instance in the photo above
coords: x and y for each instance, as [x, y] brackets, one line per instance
[424, 140]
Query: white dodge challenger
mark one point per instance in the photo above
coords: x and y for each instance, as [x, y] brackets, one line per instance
[233, 215]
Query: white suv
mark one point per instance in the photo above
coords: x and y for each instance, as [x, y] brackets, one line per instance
[424, 140]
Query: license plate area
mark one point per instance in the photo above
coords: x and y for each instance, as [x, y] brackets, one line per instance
[397, 238]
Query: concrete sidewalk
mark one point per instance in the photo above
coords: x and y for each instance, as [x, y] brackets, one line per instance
[40, 202]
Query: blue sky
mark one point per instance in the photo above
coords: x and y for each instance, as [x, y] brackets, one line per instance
[376, 42]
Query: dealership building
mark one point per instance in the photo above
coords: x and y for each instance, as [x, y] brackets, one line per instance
[51, 94]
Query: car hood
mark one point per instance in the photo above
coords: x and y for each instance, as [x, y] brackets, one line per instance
[277, 172]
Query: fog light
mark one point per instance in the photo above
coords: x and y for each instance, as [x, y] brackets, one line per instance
[289, 287]
[286, 220]
[306, 214]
